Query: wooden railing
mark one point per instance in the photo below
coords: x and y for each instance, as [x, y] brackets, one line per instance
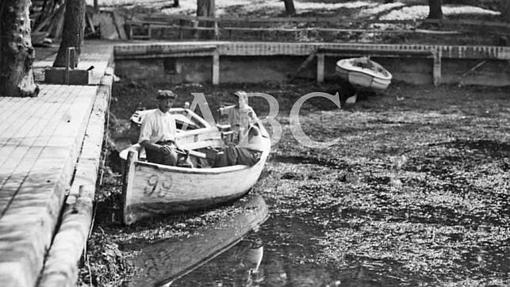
[223, 27]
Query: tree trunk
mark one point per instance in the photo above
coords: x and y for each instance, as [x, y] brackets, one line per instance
[505, 10]
[205, 8]
[72, 36]
[16, 52]
[435, 9]
[289, 7]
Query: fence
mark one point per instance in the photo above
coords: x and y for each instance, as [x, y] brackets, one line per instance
[300, 28]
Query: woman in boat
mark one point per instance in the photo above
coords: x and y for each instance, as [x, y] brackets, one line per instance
[158, 131]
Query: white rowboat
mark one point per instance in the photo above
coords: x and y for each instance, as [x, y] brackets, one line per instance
[150, 188]
[364, 72]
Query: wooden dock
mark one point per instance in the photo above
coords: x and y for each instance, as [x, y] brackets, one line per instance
[42, 139]
[317, 52]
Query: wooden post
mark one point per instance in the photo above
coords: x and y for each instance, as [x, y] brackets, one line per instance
[181, 32]
[130, 29]
[216, 30]
[216, 68]
[70, 62]
[320, 68]
[127, 179]
[436, 70]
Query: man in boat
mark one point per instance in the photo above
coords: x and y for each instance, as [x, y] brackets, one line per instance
[158, 130]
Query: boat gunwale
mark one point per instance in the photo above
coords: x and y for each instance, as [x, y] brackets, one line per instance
[208, 170]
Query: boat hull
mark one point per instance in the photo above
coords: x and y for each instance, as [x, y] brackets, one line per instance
[151, 189]
[377, 78]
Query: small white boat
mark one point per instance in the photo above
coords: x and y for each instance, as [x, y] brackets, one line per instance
[150, 188]
[364, 72]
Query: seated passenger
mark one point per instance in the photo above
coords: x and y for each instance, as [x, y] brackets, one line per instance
[247, 152]
[158, 130]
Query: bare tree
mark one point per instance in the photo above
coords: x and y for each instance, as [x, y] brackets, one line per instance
[435, 9]
[72, 36]
[16, 52]
[289, 7]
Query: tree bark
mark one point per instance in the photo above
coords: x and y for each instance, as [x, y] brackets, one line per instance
[72, 36]
[435, 9]
[289, 7]
[16, 52]
[205, 8]
[505, 10]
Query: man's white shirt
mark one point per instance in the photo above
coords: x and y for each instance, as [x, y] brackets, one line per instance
[158, 126]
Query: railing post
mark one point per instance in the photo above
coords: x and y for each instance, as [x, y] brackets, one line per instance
[216, 68]
[70, 62]
[436, 70]
[216, 29]
[320, 67]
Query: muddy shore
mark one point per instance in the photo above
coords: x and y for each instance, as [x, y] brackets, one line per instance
[416, 186]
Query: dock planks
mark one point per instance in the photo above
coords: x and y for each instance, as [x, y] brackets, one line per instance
[37, 156]
[40, 141]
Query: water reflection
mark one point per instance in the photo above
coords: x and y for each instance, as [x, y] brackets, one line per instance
[161, 263]
[285, 251]
[281, 254]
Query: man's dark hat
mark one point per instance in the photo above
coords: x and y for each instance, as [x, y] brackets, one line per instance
[166, 94]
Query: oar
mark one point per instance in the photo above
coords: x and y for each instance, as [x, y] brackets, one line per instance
[191, 152]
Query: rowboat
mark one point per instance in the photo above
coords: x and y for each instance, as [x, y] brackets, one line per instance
[364, 72]
[151, 189]
[165, 261]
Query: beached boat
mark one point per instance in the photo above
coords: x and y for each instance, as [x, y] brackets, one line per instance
[165, 261]
[364, 72]
[150, 188]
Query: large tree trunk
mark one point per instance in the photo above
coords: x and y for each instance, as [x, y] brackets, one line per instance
[72, 36]
[206, 8]
[16, 52]
[435, 9]
[505, 10]
[289, 7]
